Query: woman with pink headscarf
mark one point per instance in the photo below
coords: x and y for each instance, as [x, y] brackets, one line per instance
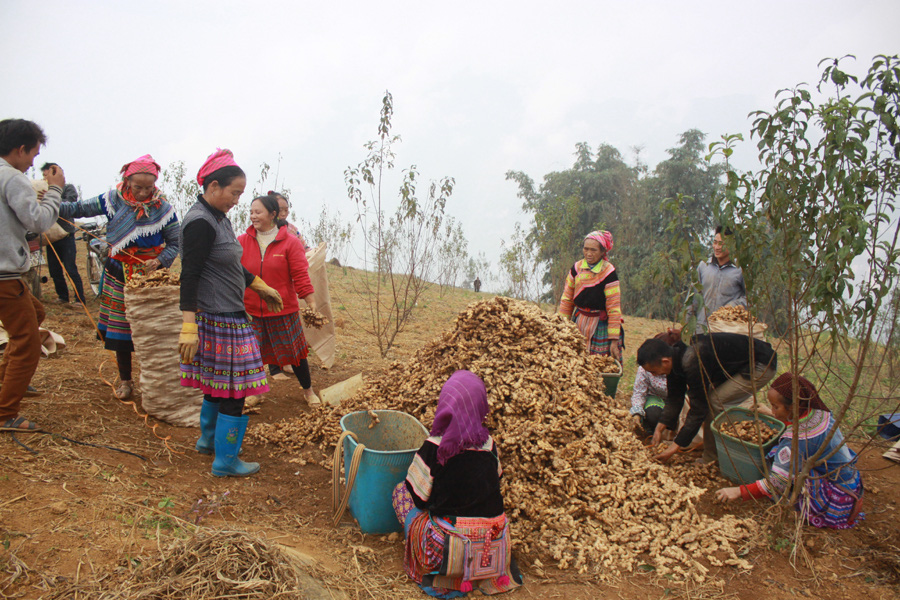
[452, 491]
[143, 235]
[219, 350]
[591, 297]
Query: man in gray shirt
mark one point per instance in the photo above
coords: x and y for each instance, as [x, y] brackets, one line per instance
[20, 211]
[722, 280]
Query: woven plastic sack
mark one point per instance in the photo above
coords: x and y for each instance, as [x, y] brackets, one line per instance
[758, 332]
[155, 321]
[322, 340]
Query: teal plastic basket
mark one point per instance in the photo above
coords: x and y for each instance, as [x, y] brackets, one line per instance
[742, 462]
[390, 447]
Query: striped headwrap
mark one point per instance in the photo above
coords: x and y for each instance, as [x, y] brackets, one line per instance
[218, 159]
[604, 238]
[144, 164]
[462, 407]
[809, 396]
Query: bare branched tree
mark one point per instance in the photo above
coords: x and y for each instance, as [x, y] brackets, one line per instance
[398, 251]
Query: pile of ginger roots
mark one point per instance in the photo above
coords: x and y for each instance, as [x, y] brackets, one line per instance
[581, 489]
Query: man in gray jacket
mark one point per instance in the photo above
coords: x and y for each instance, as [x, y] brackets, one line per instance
[20, 312]
[722, 281]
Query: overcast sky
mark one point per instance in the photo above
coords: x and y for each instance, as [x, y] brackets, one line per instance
[479, 87]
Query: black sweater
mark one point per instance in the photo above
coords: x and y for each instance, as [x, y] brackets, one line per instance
[468, 485]
[710, 361]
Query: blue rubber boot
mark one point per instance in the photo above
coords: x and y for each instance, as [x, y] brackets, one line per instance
[229, 437]
[209, 413]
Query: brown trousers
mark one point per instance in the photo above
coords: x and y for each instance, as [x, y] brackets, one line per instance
[21, 315]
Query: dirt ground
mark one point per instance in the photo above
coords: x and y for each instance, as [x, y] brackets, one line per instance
[74, 515]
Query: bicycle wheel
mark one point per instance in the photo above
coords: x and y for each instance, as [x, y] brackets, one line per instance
[94, 272]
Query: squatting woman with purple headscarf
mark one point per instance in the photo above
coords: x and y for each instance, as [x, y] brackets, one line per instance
[832, 495]
[451, 492]
[591, 297]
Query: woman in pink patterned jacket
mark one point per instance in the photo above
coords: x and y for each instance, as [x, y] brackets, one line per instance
[591, 297]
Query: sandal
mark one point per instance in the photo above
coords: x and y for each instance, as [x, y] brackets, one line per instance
[311, 397]
[18, 424]
[125, 389]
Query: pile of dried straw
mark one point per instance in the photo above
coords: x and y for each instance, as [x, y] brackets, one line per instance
[221, 564]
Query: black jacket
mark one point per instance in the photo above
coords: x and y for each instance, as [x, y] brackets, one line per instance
[708, 362]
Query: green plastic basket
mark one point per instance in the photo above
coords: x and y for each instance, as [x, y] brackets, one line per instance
[742, 462]
[611, 382]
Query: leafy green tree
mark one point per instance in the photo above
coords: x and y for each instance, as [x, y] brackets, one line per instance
[569, 205]
[816, 225]
[452, 255]
[478, 267]
[666, 229]
[601, 191]
[519, 271]
[687, 172]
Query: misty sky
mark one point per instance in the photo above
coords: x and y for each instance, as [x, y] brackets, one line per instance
[479, 87]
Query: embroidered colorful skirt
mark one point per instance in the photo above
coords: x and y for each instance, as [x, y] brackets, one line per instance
[833, 506]
[112, 325]
[594, 326]
[281, 339]
[228, 363]
[436, 547]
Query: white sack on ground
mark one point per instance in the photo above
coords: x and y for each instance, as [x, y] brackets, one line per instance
[51, 342]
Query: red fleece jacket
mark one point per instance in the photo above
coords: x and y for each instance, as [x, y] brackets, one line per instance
[284, 268]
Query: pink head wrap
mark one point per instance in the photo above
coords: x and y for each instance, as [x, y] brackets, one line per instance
[218, 159]
[144, 164]
[604, 238]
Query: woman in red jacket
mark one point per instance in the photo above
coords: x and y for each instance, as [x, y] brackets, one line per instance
[270, 251]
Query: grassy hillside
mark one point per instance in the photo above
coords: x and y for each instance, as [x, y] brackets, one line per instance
[877, 389]
[433, 314]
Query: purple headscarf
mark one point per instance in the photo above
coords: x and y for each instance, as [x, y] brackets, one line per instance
[462, 407]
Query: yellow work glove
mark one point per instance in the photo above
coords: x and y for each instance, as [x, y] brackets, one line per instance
[188, 342]
[269, 295]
